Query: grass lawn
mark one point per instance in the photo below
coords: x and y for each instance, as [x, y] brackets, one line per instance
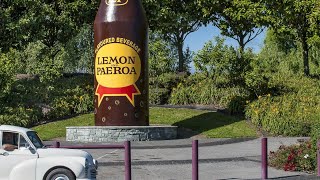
[210, 124]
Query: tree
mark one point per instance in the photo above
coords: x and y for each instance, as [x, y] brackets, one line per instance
[52, 22]
[216, 59]
[44, 30]
[284, 42]
[241, 20]
[78, 53]
[37, 60]
[301, 18]
[57, 22]
[7, 70]
[15, 18]
[174, 20]
[162, 56]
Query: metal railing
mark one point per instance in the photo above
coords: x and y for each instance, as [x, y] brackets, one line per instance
[195, 160]
[127, 153]
[264, 158]
[195, 156]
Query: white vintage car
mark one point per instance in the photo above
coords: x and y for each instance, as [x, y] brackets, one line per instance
[24, 157]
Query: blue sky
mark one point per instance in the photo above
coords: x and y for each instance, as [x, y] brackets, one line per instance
[197, 39]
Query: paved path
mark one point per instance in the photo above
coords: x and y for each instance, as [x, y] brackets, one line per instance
[171, 160]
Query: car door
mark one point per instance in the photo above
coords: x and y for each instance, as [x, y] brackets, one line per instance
[21, 162]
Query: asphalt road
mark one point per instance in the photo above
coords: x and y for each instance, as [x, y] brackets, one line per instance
[171, 160]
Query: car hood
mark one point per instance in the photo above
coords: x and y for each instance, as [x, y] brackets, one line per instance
[51, 152]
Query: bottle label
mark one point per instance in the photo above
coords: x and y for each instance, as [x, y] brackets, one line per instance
[117, 2]
[117, 68]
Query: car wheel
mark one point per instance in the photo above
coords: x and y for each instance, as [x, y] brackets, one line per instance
[60, 174]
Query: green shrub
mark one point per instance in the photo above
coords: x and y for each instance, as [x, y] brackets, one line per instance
[84, 105]
[61, 107]
[315, 134]
[290, 113]
[206, 92]
[161, 87]
[37, 102]
[237, 105]
[75, 98]
[158, 95]
[20, 116]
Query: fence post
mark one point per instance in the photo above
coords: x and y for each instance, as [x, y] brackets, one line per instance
[264, 158]
[318, 157]
[195, 160]
[56, 144]
[127, 160]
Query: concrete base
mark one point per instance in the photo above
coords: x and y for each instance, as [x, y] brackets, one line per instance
[120, 133]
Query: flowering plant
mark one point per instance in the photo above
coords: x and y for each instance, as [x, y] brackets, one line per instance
[298, 157]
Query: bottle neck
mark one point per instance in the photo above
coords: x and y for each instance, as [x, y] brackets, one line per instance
[120, 10]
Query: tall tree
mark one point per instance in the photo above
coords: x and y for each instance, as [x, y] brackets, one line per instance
[79, 52]
[52, 21]
[174, 20]
[162, 56]
[241, 20]
[57, 21]
[301, 18]
[216, 59]
[15, 17]
[284, 42]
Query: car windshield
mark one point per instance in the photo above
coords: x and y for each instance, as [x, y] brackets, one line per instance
[33, 136]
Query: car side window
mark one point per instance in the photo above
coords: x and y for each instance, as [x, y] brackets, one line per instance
[10, 138]
[23, 143]
[10, 141]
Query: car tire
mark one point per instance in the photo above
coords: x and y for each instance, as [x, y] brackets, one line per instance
[60, 174]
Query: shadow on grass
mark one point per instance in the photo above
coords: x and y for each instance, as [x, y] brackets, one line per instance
[204, 122]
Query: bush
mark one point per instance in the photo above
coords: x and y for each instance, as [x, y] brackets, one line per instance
[237, 105]
[75, 98]
[162, 86]
[315, 134]
[71, 104]
[299, 157]
[158, 95]
[206, 92]
[20, 116]
[290, 113]
[31, 102]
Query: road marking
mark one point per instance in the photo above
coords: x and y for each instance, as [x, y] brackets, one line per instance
[107, 154]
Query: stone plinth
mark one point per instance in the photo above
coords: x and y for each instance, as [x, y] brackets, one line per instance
[120, 133]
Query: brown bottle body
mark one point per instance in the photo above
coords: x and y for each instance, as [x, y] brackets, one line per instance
[120, 40]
